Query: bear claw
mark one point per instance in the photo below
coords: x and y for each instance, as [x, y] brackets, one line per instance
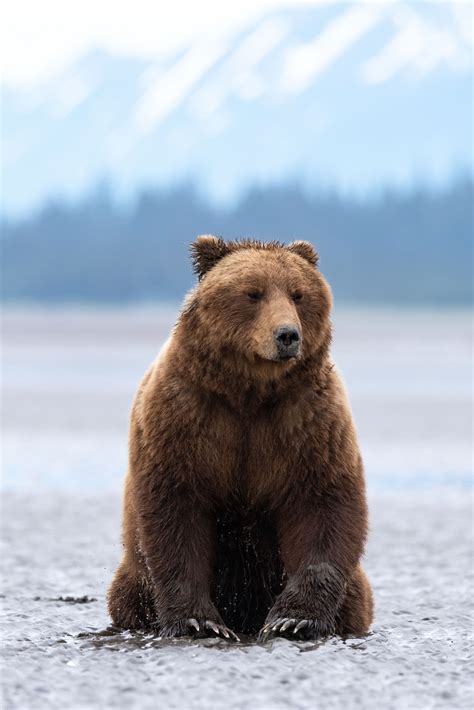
[301, 625]
[193, 627]
[194, 623]
[311, 628]
[282, 624]
[220, 630]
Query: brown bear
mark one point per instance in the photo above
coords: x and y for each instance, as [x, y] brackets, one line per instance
[245, 507]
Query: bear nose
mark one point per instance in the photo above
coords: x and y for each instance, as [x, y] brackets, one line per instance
[288, 340]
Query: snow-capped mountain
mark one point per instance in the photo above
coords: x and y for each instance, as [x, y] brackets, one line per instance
[354, 96]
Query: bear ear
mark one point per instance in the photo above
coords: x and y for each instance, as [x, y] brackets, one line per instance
[304, 249]
[206, 251]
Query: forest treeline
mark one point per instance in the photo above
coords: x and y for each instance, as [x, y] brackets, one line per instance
[397, 248]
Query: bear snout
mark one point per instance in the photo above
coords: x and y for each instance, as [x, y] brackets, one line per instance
[288, 341]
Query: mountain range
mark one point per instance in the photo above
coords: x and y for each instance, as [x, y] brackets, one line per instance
[349, 96]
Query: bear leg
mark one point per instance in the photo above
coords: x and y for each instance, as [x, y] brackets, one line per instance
[130, 600]
[356, 613]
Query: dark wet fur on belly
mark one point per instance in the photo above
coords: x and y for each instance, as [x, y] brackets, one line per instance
[249, 571]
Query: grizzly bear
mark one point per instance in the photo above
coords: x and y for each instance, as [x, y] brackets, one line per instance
[245, 507]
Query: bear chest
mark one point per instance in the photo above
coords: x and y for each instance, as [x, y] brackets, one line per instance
[256, 458]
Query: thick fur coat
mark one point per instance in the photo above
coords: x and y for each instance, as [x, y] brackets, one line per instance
[245, 507]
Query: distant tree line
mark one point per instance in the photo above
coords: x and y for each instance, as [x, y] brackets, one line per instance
[397, 248]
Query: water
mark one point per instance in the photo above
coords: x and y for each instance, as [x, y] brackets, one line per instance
[68, 381]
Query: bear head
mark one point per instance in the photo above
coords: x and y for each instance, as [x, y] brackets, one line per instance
[262, 302]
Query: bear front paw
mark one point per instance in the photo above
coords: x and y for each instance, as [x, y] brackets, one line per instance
[197, 628]
[296, 628]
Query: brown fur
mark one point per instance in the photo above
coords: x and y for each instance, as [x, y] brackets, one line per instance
[245, 497]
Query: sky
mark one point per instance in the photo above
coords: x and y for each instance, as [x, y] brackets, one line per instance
[39, 39]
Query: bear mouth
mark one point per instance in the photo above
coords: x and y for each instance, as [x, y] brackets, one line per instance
[278, 359]
[285, 358]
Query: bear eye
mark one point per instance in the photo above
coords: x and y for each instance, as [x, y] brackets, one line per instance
[297, 296]
[255, 295]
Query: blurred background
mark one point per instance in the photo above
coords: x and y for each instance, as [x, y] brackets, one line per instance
[126, 132]
[125, 135]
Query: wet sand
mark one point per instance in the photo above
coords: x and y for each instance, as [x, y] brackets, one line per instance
[59, 654]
